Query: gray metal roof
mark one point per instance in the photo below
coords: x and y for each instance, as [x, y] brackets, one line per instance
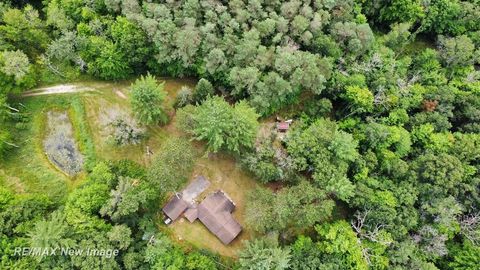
[175, 207]
[215, 213]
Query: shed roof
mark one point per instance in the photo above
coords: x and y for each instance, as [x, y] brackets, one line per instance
[283, 125]
[175, 207]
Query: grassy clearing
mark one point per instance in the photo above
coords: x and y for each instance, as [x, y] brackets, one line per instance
[222, 170]
[27, 169]
[108, 96]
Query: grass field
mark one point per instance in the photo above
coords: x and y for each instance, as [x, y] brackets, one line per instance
[108, 96]
[28, 170]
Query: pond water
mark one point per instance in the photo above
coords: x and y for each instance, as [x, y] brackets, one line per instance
[59, 144]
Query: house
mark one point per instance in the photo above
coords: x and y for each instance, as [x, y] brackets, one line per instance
[215, 212]
[191, 214]
[186, 199]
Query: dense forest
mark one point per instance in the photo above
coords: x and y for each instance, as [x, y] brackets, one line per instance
[380, 168]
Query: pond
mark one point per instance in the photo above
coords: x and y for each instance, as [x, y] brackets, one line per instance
[59, 144]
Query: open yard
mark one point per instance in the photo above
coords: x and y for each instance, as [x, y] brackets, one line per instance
[28, 170]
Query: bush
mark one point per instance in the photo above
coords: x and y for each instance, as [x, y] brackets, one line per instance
[184, 97]
[119, 127]
[203, 90]
[125, 131]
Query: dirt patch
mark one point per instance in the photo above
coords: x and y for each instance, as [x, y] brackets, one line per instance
[58, 89]
[59, 144]
[120, 94]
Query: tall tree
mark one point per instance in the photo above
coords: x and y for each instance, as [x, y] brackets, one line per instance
[202, 91]
[264, 255]
[52, 233]
[221, 125]
[172, 166]
[147, 99]
[296, 207]
[326, 151]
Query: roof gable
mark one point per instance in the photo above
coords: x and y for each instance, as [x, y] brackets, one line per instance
[215, 213]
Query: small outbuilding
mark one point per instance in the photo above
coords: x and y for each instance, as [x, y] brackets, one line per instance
[283, 126]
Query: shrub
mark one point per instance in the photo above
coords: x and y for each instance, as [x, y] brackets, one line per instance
[184, 97]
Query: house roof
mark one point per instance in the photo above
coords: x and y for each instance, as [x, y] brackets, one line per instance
[215, 213]
[195, 188]
[175, 207]
[191, 214]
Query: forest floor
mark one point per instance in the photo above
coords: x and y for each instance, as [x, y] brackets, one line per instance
[28, 170]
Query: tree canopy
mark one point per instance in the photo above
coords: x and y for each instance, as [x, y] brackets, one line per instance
[379, 167]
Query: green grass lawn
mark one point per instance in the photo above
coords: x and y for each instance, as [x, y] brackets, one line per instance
[26, 169]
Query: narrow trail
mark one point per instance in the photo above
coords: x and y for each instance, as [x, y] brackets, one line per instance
[57, 89]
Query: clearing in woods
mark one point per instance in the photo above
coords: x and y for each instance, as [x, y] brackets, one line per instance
[86, 104]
